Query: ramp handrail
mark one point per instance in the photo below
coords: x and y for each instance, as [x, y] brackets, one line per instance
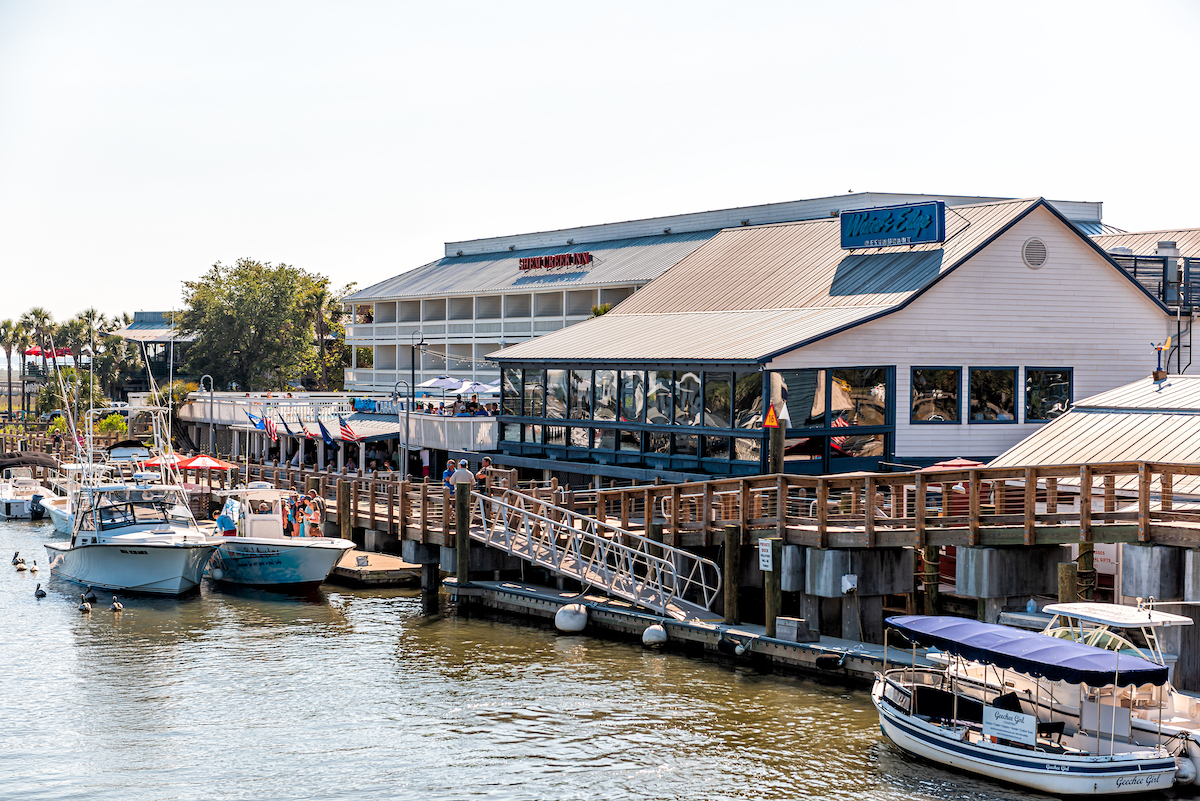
[619, 562]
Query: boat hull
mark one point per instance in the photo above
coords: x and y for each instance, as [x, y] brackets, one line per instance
[1044, 772]
[56, 510]
[152, 569]
[295, 564]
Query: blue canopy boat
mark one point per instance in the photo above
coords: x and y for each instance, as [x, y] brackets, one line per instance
[995, 732]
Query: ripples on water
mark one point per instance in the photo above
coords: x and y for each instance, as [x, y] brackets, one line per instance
[359, 695]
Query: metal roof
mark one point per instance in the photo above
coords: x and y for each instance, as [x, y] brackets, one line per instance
[1144, 243]
[152, 327]
[752, 292]
[1175, 393]
[614, 263]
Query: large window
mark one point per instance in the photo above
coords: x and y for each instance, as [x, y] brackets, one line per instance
[717, 398]
[747, 400]
[993, 394]
[581, 395]
[859, 397]
[1047, 392]
[803, 392]
[658, 397]
[633, 396]
[556, 395]
[935, 394]
[687, 400]
[606, 395]
[860, 446]
[535, 393]
[510, 391]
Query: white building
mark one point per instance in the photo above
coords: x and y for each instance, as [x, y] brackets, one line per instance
[486, 294]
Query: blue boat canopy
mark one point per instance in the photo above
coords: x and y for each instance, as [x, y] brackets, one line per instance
[1028, 652]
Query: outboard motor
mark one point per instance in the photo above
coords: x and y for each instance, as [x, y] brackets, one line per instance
[36, 510]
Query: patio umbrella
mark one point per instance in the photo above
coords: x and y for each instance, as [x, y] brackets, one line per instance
[205, 462]
[958, 463]
[172, 458]
[472, 388]
[442, 382]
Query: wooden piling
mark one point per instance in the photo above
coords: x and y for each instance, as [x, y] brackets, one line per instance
[345, 518]
[1068, 583]
[733, 572]
[773, 585]
[775, 451]
[462, 539]
[932, 557]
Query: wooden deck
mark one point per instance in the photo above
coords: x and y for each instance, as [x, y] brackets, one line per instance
[360, 569]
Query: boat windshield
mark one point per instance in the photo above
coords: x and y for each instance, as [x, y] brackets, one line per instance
[1104, 638]
[137, 507]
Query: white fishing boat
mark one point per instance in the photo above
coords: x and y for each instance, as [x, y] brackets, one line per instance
[61, 508]
[995, 732]
[20, 492]
[260, 553]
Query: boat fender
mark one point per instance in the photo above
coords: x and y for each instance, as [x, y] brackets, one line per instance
[832, 661]
[730, 646]
[1185, 770]
[571, 618]
[1194, 709]
[654, 635]
[217, 573]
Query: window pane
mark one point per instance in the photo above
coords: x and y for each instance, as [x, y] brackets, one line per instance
[747, 450]
[716, 402]
[747, 400]
[804, 393]
[510, 391]
[687, 399]
[533, 433]
[580, 437]
[992, 394]
[581, 395]
[632, 396]
[657, 442]
[935, 395]
[535, 393]
[606, 394]
[862, 446]
[860, 396]
[803, 449]
[685, 444]
[631, 441]
[658, 397]
[556, 394]
[556, 435]
[605, 439]
[1047, 393]
[716, 447]
[510, 432]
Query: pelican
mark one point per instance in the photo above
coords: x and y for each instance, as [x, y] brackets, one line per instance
[21, 566]
[34, 569]
[90, 595]
[16, 558]
[84, 606]
[116, 605]
[39, 592]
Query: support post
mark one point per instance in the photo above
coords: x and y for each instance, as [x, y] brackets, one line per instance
[655, 532]
[462, 539]
[775, 453]
[733, 572]
[932, 557]
[773, 585]
[345, 522]
[1087, 575]
[1068, 583]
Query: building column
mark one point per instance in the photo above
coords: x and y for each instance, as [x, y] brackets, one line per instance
[362, 458]
[1007, 577]
[341, 458]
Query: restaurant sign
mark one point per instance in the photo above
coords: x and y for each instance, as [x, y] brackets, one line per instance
[557, 260]
[889, 226]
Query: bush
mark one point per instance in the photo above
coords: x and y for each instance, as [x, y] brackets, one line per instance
[113, 423]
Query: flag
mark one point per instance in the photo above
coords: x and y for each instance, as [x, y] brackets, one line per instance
[347, 432]
[271, 429]
[257, 422]
[839, 422]
[325, 435]
[285, 426]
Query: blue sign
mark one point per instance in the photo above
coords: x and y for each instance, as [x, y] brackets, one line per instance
[889, 226]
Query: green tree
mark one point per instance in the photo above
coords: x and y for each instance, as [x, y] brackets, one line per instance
[114, 423]
[40, 323]
[11, 336]
[602, 309]
[248, 324]
[50, 396]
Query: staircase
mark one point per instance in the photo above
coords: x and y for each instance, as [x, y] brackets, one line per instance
[670, 581]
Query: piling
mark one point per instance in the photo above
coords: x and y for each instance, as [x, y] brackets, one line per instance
[931, 576]
[654, 531]
[775, 452]
[773, 584]
[345, 520]
[1087, 569]
[1068, 583]
[733, 572]
[462, 539]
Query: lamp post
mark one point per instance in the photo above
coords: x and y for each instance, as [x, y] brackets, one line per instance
[407, 409]
[412, 387]
[211, 422]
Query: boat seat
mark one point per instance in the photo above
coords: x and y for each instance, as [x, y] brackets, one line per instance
[939, 705]
[1009, 702]
[1052, 728]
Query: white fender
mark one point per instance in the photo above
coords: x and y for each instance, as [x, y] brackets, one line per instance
[571, 618]
[1185, 770]
[217, 573]
[654, 635]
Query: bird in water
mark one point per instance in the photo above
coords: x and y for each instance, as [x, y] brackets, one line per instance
[84, 606]
[90, 595]
[116, 605]
[16, 558]
[39, 592]
[34, 569]
[21, 566]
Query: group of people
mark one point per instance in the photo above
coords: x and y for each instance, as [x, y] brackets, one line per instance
[452, 476]
[461, 408]
[303, 515]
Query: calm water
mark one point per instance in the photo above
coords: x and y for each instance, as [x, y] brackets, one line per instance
[360, 695]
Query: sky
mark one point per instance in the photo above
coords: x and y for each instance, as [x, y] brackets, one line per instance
[140, 142]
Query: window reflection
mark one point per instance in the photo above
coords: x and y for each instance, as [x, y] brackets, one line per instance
[533, 434]
[717, 388]
[747, 400]
[658, 397]
[803, 449]
[658, 442]
[510, 432]
[510, 391]
[556, 394]
[687, 399]
[935, 394]
[716, 447]
[632, 396]
[631, 441]
[556, 435]
[605, 439]
[581, 395]
[859, 397]
[992, 395]
[685, 444]
[860, 446]
[580, 437]
[747, 450]
[606, 394]
[1047, 393]
[803, 393]
[535, 393]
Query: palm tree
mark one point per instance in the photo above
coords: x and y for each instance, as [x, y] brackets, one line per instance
[316, 309]
[22, 340]
[40, 322]
[9, 335]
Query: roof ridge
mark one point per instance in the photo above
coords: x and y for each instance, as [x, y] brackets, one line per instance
[1144, 233]
[783, 223]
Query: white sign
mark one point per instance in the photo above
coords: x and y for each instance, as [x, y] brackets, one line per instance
[1013, 726]
[765, 563]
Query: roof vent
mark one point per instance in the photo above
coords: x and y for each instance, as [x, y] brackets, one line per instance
[1120, 251]
[1034, 253]
[834, 212]
[1166, 249]
[459, 253]
[746, 221]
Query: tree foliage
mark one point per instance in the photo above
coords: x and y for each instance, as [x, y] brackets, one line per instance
[50, 396]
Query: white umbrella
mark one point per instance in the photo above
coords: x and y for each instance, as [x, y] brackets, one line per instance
[442, 382]
[472, 388]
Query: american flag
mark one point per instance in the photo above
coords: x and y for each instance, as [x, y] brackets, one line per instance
[271, 429]
[839, 422]
[347, 432]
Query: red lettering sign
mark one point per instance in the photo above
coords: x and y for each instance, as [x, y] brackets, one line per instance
[557, 260]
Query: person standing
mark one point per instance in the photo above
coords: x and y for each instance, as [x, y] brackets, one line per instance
[462, 475]
[446, 474]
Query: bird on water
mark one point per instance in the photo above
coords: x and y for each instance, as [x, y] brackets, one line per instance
[39, 592]
[116, 605]
[21, 566]
[34, 569]
[17, 558]
[90, 595]
[84, 606]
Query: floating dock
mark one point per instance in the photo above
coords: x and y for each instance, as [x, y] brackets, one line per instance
[358, 569]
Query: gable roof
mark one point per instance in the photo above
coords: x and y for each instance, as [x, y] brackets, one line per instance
[1144, 243]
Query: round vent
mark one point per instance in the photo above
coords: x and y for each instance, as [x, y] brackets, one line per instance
[1034, 253]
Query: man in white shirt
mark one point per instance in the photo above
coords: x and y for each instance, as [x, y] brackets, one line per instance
[462, 475]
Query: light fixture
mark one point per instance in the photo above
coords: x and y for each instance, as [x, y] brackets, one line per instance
[459, 253]
[666, 230]
[834, 212]
[570, 241]
[746, 221]
[512, 247]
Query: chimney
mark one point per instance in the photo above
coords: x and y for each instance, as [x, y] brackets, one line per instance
[1166, 248]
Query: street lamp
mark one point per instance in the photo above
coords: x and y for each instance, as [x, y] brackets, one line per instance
[412, 387]
[407, 409]
[211, 423]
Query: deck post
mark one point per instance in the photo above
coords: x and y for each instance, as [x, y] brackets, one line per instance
[1087, 576]
[781, 498]
[919, 508]
[775, 441]
[1167, 481]
[931, 556]
[1068, 583]
[462, 539]
[822, 513]
[773, 585]
[1143, 502]
[733, 572]
[345, 521]
[1051, 495]
[973, 509]
[869, 511]
[1030, 503]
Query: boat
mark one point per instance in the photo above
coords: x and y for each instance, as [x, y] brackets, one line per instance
[995, 732]
[20, 492]
[134, 536]
[259, 553]
[61, 508]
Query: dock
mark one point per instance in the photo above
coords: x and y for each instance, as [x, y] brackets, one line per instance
[359, 569]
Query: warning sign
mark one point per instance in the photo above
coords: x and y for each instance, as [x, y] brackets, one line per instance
[772, 420]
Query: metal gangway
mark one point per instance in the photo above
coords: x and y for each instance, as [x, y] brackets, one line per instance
[668, 580]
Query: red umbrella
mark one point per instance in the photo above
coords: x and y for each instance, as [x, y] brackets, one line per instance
[205, 462]
[159, 460]
[34, 351]
[957, 463]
